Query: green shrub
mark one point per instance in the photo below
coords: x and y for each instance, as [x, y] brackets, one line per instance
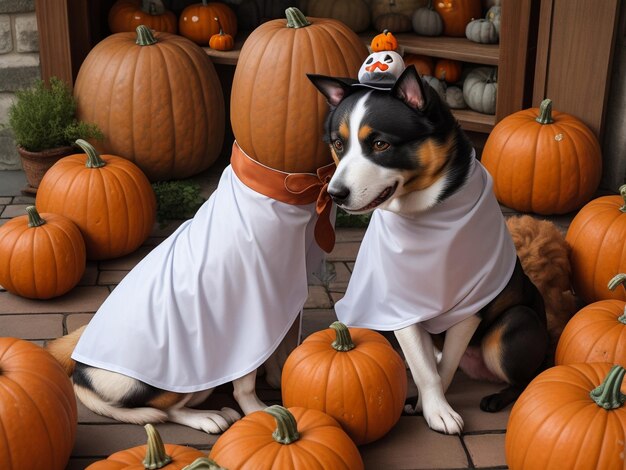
[177, 199]
[44, 117]
[346, 220]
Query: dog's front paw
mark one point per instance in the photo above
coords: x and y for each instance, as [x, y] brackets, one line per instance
[442, 418]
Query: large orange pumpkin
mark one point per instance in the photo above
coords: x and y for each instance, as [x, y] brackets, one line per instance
[38, 414]
[108, 197]
[197, 21]
[126, 15]
[277, 115]
[542, 161]
[158, 102]
[597, 333]
[353, 374]
[44, 256]
[286, 439]
[569, 417]
[596, 235]
[154, 454]
[456, 14]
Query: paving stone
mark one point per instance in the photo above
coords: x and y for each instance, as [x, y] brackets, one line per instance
[486, 450]
[349, 234]
[153, 241]
[350, 266]
[411, 444]
[14, 210]
[6, 38]
[30, 200]
[32, 326]
[4, 201]
[318, 298]
[344, 251]
[90, 276]
[76, 320]
[342, 273]
[316, 320]
[125, 263]
[108, 278]
[79, 299]
[336, 296]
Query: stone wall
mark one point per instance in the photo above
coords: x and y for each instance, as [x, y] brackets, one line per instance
[19, 66]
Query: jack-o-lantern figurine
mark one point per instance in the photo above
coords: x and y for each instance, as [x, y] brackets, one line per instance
[381, 69]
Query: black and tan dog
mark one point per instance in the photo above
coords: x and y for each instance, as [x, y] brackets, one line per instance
[400, 150]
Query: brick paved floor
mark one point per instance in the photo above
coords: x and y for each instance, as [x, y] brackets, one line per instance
[410, 445]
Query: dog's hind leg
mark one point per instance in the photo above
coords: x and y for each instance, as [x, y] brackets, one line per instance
[245, 393]
[417, 347]
[514, 349]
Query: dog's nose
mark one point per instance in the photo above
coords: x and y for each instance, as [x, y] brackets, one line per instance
[339, 193]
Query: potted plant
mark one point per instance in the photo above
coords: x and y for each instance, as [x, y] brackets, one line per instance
[44, 124]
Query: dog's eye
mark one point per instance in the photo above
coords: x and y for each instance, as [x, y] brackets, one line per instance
[338, 145]
[381, 145]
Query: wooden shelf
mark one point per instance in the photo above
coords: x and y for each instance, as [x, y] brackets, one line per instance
[474, 121]
[226, 57]
[445, 47]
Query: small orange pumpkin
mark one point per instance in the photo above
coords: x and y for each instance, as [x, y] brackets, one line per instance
[44, 256]
[221, 41]
[286, 439]
[448, 70]
[597, 333]
[543, 161]
[126, 15]
[596, 235]
[422, 63]
[108, 197]
[197, 22]
[569, 417]
[353, 374]
[456, 14]
[154, 454]
[38, 414]
[384, 41]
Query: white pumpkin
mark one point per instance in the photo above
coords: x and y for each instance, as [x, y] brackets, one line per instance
[493, 15]
[436, 84]
[480, 89]
[427, 22]
[454, 98]
[482, 31]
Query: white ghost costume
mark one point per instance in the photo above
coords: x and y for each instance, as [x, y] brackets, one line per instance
[435, 269]
[215, 299]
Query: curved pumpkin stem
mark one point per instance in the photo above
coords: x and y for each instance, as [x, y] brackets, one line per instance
[34, 219]
[295, 18]
[155, 454]
[622, 192]
[343, 341]
[545, 112]
[93, 159]
[613, 283]
[144, 36]
[219, 25]
[203, 463]
[286, 427]
[608, 395]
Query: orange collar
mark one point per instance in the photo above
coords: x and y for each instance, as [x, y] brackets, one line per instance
[290, 188]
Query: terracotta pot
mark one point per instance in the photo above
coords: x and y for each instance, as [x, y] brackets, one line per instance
[35, 164]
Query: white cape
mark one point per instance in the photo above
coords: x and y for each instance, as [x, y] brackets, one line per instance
[435, 269]
[212, 301]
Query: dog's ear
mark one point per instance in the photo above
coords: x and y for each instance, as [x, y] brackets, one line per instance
[410, 89]
[334, 89]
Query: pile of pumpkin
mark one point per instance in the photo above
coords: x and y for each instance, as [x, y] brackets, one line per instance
[571, 415]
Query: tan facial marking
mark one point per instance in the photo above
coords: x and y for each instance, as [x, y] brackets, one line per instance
[166, 400]
[364, 131]
[334, 155]
[433, 158]
[344, 130]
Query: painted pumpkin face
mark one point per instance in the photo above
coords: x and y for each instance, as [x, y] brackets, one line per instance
[381, 69]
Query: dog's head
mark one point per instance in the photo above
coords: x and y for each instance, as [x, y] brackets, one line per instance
[386, 142]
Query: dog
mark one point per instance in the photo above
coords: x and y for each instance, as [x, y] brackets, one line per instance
[401, 154]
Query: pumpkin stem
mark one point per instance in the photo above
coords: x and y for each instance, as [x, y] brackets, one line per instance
[203, 463]
[617, 280]
[545, 112]
[295, 18]
[608, 394]
[343, 341]
[144, 36]
[622, 191]
[155, 453]
[286, 427]
[34, 219]
[219, 25]
[430, 4]
[93, 159]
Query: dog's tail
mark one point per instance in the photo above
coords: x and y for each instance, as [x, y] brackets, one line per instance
[62, 348]
[545, 258]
